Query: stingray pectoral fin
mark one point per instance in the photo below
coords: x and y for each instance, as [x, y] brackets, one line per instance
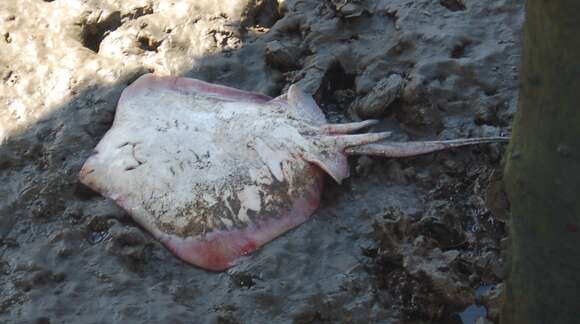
[222, 249]
[405, 149]
[218, 91]
[215, 252]
[192, 86]
[304, 106]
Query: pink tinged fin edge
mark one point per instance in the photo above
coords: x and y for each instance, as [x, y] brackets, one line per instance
[220, 250]
[190, 85]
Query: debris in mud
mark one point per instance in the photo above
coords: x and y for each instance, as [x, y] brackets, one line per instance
[453, 5]
[243, 279]
[433, 263]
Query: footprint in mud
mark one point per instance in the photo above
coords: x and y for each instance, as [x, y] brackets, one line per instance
[130, 246]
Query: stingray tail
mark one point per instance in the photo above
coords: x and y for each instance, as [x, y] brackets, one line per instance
[406, 149]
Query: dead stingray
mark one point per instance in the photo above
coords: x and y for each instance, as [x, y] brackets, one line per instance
[214, 172]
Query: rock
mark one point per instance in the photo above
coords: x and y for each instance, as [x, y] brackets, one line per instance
[485, 115]
[496, 199]
[492, 264]
[419, 107]
[351, 10]
[483, 320]
[396, 173]
[348, 8]
[436, 267]
[282, 56]
[422, 245]
[485, 259]
[476, 201]
[364, 165]
[65, 242]
[453, 166]
[377, 102]
[499, 267]
[424, 179]
[409, 172]
[495, 152]
[492, 300]
[262, 13]
[474, 278]
[97, 25]
[487, 131]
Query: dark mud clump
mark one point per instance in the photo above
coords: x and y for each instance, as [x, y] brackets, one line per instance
[432, 264]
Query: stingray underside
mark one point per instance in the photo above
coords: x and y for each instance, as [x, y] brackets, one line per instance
[212, 172]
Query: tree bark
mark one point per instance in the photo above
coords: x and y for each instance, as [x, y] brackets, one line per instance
[542, 175]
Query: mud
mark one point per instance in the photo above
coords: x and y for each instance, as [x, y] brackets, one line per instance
[408, 240]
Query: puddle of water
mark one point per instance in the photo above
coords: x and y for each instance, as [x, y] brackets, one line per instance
[473, 312]
[96, 237]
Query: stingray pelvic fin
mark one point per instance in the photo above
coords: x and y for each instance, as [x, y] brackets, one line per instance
[329, 153]
[334, 163]
[304, 106]
[348, 127]
[405, 149]
[343, 142]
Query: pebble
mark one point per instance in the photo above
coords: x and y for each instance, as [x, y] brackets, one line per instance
[378, 101]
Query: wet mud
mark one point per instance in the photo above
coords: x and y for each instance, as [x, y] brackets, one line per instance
[416, 240]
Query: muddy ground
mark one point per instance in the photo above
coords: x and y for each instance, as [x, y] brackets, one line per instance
[412, 240]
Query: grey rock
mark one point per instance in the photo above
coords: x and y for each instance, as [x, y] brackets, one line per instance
[377, 102]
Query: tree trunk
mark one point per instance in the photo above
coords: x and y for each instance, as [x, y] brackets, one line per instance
[543, 170]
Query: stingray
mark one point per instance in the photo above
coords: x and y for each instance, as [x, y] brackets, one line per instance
[214, 172]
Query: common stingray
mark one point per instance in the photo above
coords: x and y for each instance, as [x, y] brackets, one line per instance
[214, 172]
